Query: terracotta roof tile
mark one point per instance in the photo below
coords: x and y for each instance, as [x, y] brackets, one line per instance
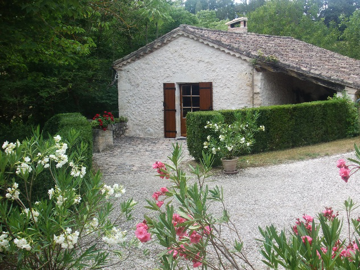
[290, 54]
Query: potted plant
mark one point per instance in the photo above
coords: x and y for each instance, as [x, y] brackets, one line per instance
[102, 134]
[231, 140]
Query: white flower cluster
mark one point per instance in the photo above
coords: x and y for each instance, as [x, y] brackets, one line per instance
[67, 240]
[34, 214]
[262, 128]
[60, 154]
[91, 226]
[60, 198]
[9, 147]
[77, 170]
[4, 241]
[116, 236]
[115, 189]
[13, 192]
[222, 138]
[24, 166]
[44, 161]
[229, 147]
[211, 125]
[22, 243]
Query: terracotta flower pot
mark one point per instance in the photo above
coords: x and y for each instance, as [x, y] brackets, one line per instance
[229, 165]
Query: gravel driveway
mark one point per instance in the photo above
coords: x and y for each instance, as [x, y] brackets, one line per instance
[255, 196]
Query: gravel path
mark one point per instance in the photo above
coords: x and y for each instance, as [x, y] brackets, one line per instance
[255, 196]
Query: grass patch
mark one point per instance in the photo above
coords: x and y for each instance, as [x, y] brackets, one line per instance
[299, 153]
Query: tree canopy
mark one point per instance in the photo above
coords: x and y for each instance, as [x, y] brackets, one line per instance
[56, 55]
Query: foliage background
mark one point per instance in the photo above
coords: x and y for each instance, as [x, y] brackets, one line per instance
[56, 56]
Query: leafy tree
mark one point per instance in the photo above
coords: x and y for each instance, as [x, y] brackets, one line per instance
[351, 35]
[208, 19]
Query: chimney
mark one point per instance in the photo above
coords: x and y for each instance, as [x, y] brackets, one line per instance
[238, 25]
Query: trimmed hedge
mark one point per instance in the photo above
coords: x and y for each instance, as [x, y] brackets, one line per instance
[286, 126]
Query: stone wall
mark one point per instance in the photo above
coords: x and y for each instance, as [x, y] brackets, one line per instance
[183, 60]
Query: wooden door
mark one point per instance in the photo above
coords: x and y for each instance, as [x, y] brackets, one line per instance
[169, 111]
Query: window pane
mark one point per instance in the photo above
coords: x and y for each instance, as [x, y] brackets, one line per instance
[195, 109]
[185, 111]
[196, 101]
[186, 101]
[186, 90]
[195, 89]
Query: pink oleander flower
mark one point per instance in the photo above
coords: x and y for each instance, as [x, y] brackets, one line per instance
[158, 165]
[159, 203]
[308, 218]
[177, 219]
[156, 195]
[207, 230]
[306, 238]
[164, 190]
[329, 214]
[197, 261]
[341, 163]
[142, 225]
[181, 232]
[195, 237]
[142, 234]
[174, 252]
[345, 174]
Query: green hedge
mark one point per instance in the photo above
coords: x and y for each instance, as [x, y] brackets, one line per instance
[286, 126]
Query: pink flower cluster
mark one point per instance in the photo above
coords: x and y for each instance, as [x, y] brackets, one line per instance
[194, 237]
[347, 252]
[306, 238]
[344, 170]
[307, 224]
[142, 232]
[329, 214]
[161, 169]
[157, 194]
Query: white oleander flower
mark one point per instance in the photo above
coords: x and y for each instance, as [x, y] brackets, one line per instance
[51, 193]
[222, 138]
[242, 140]
[229, 147]
[35, 213]
[9, 147]
[116, 236]
[67, 240]
[60, 200]
[57, 138]
[208, 137]
[22, 243]
[77, 199]
[13, 192]
[4, 241]
[92, 225]
[213, 150]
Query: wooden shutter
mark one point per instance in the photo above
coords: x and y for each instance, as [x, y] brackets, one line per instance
[205, 96]
[169, 111]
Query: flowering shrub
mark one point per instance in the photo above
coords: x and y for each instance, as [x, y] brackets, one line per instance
[234, 139]
[317, 243]
[190, 234]
[103, 120]
[68, 230]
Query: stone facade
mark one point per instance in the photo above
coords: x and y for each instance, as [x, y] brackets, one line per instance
[245, 69]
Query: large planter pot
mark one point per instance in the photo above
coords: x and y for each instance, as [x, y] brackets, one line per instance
[102, 139]
[229, 165]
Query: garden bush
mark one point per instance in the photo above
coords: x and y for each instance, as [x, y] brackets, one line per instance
[286, 126]
[70, 228]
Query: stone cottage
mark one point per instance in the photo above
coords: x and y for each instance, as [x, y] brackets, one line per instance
[191, 69]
